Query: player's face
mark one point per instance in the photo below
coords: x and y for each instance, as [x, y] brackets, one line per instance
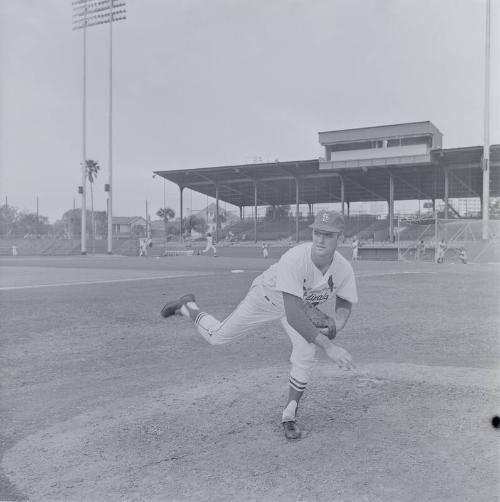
[324, 243]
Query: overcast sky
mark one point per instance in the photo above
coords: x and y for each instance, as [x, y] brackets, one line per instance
[201, 83]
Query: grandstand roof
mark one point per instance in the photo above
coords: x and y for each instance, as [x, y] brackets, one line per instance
[276, 181]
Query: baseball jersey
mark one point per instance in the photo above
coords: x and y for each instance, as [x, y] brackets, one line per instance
[296, 274]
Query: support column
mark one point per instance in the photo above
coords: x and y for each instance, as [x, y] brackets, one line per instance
[216, 213]
[446, 192]
[433, 206]
[391, 207]
[181, 188]
[297, 187]
[241, 213]
[342, 195]
[255, 211]
[348, 204]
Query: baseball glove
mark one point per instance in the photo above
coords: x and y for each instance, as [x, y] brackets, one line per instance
[323, 322]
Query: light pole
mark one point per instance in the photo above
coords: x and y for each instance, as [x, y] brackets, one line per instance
[87, 13]
[164, 203]
[486, 148]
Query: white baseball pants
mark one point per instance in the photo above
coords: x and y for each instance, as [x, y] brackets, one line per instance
[255, 309]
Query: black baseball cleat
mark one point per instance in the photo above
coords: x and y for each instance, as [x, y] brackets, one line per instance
[171, 308]
[292, 430]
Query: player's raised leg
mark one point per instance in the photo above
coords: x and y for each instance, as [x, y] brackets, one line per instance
[252, 311]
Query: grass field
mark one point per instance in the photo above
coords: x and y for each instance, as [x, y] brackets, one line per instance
[102, 399]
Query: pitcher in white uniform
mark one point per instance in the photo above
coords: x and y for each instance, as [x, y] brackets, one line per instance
[311, 272]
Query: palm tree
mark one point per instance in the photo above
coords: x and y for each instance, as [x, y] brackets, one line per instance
[92, 168]
[166, 214]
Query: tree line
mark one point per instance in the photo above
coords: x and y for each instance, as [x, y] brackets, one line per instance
[15, 223]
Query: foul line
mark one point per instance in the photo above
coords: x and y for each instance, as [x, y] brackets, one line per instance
[186, 274]
[109, 281]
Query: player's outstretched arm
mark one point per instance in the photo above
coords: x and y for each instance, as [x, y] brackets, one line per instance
[337, 354]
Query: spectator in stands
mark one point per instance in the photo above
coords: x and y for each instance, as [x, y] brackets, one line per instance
[355, 248]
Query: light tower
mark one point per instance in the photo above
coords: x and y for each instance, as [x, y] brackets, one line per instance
[87, 13]
[486, 144]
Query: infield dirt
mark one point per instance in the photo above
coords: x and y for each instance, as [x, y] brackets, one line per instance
[102, 399]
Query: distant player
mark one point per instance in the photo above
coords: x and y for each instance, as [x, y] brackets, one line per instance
[313, 273]
[143, 247]
[210, 244]
[420, 250]
[441, 250]
[265, 250]
[355, 248]
[463, 256]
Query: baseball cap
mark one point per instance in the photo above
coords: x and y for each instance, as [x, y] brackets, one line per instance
[328, 221]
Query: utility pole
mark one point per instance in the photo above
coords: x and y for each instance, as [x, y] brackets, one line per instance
[486, 147]
[87, 13]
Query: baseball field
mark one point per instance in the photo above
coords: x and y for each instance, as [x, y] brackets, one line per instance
[104, 400]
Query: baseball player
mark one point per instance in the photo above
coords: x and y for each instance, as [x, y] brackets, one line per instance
[463, 256]
[210, 244]
[313, 273]
[441, 250]
[355, 248]
[143, 248]
[420, 250]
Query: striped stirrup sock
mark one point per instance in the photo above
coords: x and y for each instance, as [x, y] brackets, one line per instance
[199, 317]
[296, 384]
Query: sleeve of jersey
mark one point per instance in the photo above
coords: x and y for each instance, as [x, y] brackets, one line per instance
[347, 290]
[288, 279]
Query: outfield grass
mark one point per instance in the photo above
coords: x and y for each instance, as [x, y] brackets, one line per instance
[102, 399]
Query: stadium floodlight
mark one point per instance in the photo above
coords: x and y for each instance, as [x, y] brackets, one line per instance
[486, 145]
[87, 13]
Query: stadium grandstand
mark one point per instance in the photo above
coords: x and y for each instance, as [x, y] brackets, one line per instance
[383, 163]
